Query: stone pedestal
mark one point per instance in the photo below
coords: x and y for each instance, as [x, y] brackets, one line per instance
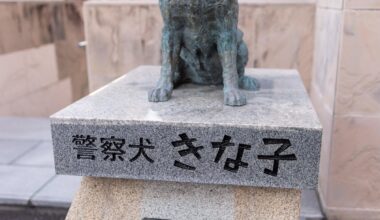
[101, 198]
[191, 142]
[345, 92]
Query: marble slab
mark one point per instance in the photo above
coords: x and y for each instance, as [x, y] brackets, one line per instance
[362, 4]
[40, 57]
[333, 4]
[274, 141]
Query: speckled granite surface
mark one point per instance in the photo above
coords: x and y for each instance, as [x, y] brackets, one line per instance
[193, 137]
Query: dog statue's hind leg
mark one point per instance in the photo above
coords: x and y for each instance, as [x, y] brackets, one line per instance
[227, 44]
[245, 82]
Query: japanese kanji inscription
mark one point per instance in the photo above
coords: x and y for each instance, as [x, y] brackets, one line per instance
[115, 149]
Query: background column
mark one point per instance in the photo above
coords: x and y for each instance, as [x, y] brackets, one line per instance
[345, 90]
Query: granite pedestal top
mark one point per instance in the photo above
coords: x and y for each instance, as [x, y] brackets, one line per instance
[273, 141]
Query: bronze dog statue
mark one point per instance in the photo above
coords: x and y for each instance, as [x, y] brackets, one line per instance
[202, 44]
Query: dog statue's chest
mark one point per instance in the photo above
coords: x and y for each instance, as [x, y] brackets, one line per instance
[198, 10]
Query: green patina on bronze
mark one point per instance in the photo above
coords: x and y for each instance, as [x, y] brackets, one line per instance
[202, 44]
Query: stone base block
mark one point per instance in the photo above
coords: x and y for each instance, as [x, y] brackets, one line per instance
[102, 198]
[273, 141]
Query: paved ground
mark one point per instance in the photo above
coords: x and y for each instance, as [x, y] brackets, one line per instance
[29, 185]
[27, 166]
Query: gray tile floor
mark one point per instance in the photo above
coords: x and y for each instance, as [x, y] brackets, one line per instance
[27, 166]
[27, 169]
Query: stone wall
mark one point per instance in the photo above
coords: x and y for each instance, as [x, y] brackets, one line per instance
[346, 93]
[42, 69]
[123, 34]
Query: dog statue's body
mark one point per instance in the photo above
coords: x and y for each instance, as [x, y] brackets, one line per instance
[202, 44]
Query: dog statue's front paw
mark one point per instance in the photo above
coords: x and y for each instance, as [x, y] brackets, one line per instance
[234, 97]
[160, 94]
